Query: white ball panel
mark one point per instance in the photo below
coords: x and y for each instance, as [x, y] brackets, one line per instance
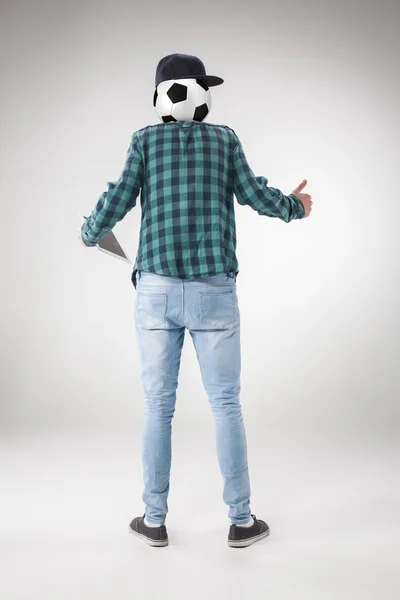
[186, 82]
[183, 111]
[164, 105]
[208, 99]
[197, 95]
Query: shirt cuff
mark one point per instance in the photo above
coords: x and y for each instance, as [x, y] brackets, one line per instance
[85, 239]
[301, 206]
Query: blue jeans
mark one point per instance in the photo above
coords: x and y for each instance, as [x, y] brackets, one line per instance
[208, 307]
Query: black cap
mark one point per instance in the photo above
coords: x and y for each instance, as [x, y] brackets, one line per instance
[184, 66]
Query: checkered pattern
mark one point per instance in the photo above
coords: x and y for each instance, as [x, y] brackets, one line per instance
[187, 172]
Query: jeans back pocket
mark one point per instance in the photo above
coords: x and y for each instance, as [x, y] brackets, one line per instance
[151, 309]
[218, 309]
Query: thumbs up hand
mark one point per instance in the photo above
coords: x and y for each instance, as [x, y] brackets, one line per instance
[305, 198]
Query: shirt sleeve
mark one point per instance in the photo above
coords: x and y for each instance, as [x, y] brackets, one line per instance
[254, 191]
[119, 199]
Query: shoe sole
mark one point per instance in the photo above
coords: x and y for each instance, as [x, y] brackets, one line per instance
[248, 542]
[147, 540]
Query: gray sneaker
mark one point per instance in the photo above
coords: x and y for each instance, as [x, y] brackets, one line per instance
[154, 536]
[239, 537]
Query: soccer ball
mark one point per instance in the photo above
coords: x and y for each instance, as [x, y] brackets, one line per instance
[182, 100]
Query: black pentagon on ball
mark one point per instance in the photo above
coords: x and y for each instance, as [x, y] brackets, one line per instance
[177, 93]
[200, 113]
[155, 97]
[168, 118]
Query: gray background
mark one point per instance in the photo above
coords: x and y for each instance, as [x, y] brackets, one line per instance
[312, 89]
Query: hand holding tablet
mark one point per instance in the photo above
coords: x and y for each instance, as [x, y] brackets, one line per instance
[110, 245]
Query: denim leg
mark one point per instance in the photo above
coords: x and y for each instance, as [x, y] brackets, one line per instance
[160, 354]
[218, 353]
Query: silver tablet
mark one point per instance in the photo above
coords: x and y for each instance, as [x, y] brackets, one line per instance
[110, 245]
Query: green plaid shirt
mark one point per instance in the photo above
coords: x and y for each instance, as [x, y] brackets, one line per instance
[187, 172]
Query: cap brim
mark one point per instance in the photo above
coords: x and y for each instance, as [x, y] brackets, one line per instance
[210, 80]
